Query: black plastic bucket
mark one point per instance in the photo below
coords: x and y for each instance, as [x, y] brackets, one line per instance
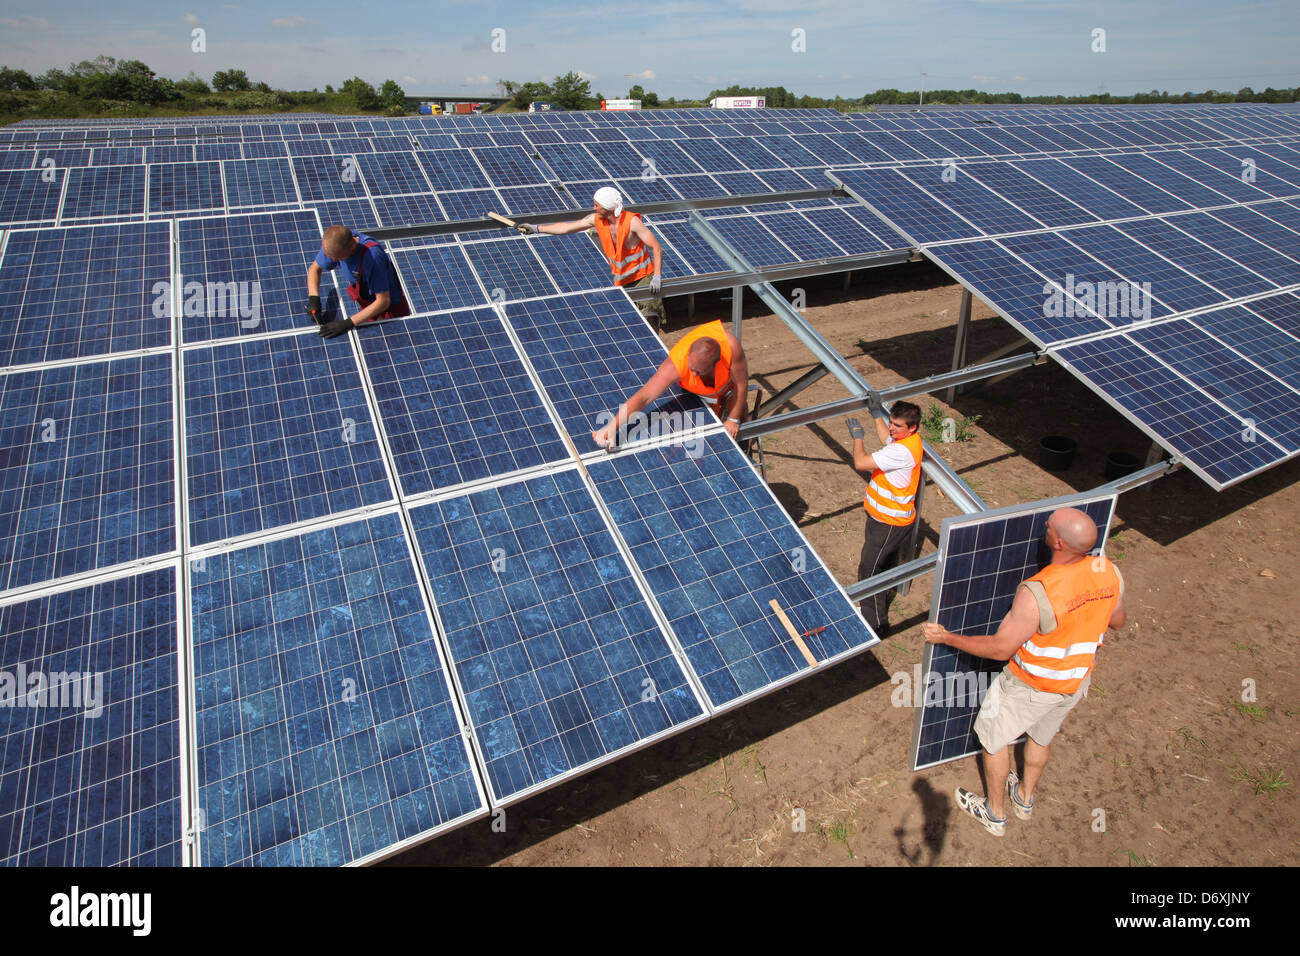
[1121, 463]
[1056, 452]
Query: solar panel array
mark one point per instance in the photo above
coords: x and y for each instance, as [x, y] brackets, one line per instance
[350, 594]
[1152, 277]
[982, 561]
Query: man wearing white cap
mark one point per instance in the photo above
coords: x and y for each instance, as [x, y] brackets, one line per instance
[628, 244]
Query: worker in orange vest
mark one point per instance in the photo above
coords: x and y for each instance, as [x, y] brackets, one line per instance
[634, 254]
[894, 474]
[707, 361]
[1050, 638]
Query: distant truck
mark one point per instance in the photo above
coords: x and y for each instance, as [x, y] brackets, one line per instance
[469, 108]
[539, 107]
[431, 109]
[620, 104]
[739, 103]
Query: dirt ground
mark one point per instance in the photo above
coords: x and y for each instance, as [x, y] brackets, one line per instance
[1165, 763]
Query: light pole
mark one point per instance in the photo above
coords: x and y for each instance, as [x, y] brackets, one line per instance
[922, 103]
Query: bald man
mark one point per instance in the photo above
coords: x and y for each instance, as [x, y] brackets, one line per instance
[635, 257]
[707, 361]
[372, 281]
[1050, 639]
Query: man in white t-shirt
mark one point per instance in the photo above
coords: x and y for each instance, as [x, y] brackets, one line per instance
[894, 474]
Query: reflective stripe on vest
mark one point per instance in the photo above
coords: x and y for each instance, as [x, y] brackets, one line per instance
[626, 266]
[888, 502]
[686, 378]
[1083, 596]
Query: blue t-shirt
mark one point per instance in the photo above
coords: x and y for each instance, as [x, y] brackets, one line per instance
[372, 261]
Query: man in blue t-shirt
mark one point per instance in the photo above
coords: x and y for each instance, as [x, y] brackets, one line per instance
[372, 280]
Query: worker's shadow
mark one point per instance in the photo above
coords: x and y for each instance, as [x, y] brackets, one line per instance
[935, 813]
[790, 499]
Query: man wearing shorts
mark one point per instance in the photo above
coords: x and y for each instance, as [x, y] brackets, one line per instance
[1049, 639]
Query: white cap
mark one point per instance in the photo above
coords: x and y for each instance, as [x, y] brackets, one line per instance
[609, 198]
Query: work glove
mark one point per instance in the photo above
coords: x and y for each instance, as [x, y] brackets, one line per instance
[526, 229]
[313, 309]
[336, 328]
[656, 284]
[855, 429]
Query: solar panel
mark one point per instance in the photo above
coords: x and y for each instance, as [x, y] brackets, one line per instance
[575, 262]
[184, 187]
[591, 352]
[456, 401]
[438, 278]
[87, 480]
[245, 275]
[850, 234]
[470, 203]
[1213, 441]
[699, 255]
[30, 195]
[1170, 285]
[800, 236]
[277, 431]
[325, 728]
[409, 211]
[904, 206]
[748, 236]
[391, 174]
[973, 201]
[571, 162]
[328, 177]
[1048, 205]
[983, 559]
[716, 547]
[508, 269]
[90, 772]
[1229, 277]
[560, 660]
[524, 200]
[509, 166]
[83, 291]
[258, 182]
[357, 214]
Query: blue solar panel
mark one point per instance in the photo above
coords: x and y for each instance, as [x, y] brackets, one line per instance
[574, 262]
[713, 156]
[692, 247]
[328, 177]
[1015, 186]
[571, 162]
[265, 255]
[392, 174]
[1227, 182]
[456, 401]
[1016, 291]
[356, 214]
[470, 203]
[715, 548]
[184, 187]
[620, 159]
[559, 657]
[1169, 237]
[1211, 439]
[30, 195]
[850, 234]
[410, 211]
[169, 154]
[277, 431]
[1141, 196]
[668, 158]
[651, 189]
[1276, 179]
[87, 479]
[525, 200]
[325, 728]
[800, 236]
[449, 169]
[905, 206]
[438, 278]
[509, 166]
[1271, 405]
[83, 291]
[104, 191]
[508, 269]
[267, 150]
[117, 156]
[749, 237]
[209, 151]
[259, 182]
[91, 777]
[591, 353]
[1170, 285]
[976, 203]
[982, 561]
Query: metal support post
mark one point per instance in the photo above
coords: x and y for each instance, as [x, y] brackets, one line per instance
[737, 309]
[963, 338]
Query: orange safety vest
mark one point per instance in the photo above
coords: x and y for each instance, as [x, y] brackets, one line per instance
[627, 265]
[1083, 599]
[891, 503]
[691, 382]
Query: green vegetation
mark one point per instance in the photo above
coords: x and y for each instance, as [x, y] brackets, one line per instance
[933, 424]
[109, 87]
[839, 832]
[1267, 780]
[1256, 712]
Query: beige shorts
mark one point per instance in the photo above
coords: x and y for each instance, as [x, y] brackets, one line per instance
[1012, 707]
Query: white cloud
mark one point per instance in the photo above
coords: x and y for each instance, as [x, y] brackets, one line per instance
[644, 75]
[1021, 79]
[409, 79]
[476, 80]
[25, 22]
[190, 18]
[981, 78]
[290, 23]
[589, 77]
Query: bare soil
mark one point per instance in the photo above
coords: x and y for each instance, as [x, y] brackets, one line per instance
[1183, 754]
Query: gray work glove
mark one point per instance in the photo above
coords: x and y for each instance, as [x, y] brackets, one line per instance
[855, 429]
[526, 229]
[656, 284]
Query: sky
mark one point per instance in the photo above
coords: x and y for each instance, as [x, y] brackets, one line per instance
[684, 48]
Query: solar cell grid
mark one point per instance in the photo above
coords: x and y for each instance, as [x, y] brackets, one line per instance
[715, 548]
[328, 177]
[30, 195]
[277, 431]
[184, 188]
[292, 771]
[258, 182]
[103, 192]
[87, 480]
[93, 778]
[553, 643]
[509, 166]
[392, 174]
[439, 278]
[981, 206]
[905, 206]
[508, 269]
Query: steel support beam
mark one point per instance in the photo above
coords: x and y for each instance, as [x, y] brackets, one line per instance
[718, 281]
[791, 390]
[963, 339]
[894, 577]
[737, 309]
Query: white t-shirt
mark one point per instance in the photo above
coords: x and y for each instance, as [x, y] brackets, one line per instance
[896, 462]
